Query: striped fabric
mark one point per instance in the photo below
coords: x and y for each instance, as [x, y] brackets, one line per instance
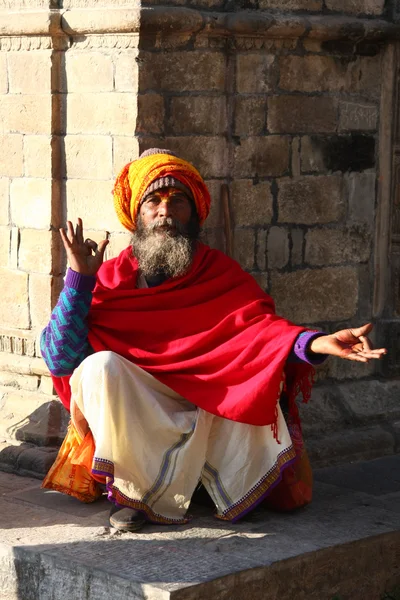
[64, 342]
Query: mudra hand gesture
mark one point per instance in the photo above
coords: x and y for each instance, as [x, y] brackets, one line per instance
[84, 256]
[352, 344]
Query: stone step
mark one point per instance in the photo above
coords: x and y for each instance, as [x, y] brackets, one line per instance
[345, 545]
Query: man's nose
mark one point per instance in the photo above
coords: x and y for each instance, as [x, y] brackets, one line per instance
[164, 209]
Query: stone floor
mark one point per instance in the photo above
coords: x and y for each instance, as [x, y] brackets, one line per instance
[345, 545]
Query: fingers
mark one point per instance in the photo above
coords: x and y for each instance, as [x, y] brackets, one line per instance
[79, 231]
[102, 248]
[366, 356]
[362, 331]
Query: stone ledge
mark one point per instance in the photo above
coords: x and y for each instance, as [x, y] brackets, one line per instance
[167, 19]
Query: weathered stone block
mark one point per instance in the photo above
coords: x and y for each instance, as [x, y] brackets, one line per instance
[296, 255]
[29, 72]
[30, 201]
[207, 154]
[93, 202]
[11, 159]
[310, 200]
[243, 247]
[372, 399]
[262, 156]
[255, 73]
[46, 385]
[278, 248]
[88, 156]
[126, 72]
[14, 247]
[216, 216]
[125, 149]
[25, 113]
[250, 115]
[35, 251]
[252, 204]
[369, 7]
[356, 116]
[89, 72]
[4, 245]
[3, 74]
[19, 382]
[311, 156]
[118, 242]
[107, 113]
[365, 76]
[262, 280]
[40, 299]
[151, 111]
[261, 249]
[316, 295]
[14, 299]
[4, 200]
[334, 246]
[312, 74]
[361, 194]
[37, 155]
[198, 114]
[182, 71]
[298, 114]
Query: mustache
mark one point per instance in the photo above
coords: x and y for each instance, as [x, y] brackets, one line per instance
[167, 222]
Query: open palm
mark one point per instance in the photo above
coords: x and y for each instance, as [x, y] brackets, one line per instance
[351, 344]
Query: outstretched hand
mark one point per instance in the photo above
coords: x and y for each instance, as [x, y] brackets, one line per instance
[352, 344]
[84, 256]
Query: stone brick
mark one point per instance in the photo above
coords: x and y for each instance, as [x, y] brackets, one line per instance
[93, 202]
[11, 158]
[365, 77]
[361, 197]
[312, 74]
[46, 385]
[262, 156]
[355, 116]
[295, 157]
[278, 248]
[30, 201]
[150, 117]
[262, 280]
[118, 242]
[216, 216]
[182, 71]
[25, 113]
[89, 72]
[291, 4]
[250, 115]
[14, 299]
[88, 156]
[207, 154]
[4, 200]
[3, 74]
[107, 113]
[198, 114]
[311, 156]
[243, 247]
[296, 254]
[261, 249]
[125, 149]
[35, 251]
[37, 155]
[4, 245]
[255, 73]
[19, 382]
[29, 72]
[215, 238]
[301, 114]
[310, 200]
[40, 299]
[316, 295]
[334, 246]
[14, 247]
[369, 7]
[126, 72]
[252, 204]
[372, 399]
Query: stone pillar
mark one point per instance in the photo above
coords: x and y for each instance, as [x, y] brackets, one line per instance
[286, 103]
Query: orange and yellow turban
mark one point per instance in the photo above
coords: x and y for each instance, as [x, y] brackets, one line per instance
[135, 178]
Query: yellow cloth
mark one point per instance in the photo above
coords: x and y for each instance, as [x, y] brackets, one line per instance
[135, 178]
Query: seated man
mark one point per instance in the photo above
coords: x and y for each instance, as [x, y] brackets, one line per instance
[175, 366]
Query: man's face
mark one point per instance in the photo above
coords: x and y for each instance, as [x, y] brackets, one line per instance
[166, 203]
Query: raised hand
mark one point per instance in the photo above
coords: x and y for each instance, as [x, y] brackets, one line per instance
[352, 344]
[84, 256]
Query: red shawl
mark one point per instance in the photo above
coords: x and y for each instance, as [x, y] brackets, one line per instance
[211, 335]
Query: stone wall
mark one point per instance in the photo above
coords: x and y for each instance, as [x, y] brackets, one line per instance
[292, 111]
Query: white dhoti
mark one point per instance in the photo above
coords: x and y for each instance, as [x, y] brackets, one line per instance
[154, 447]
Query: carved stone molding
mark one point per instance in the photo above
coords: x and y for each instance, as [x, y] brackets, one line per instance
[174, 20]
[32, 42]
[17, 342]
[119, 42]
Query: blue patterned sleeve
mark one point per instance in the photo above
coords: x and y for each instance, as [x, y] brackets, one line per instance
[64, 342]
